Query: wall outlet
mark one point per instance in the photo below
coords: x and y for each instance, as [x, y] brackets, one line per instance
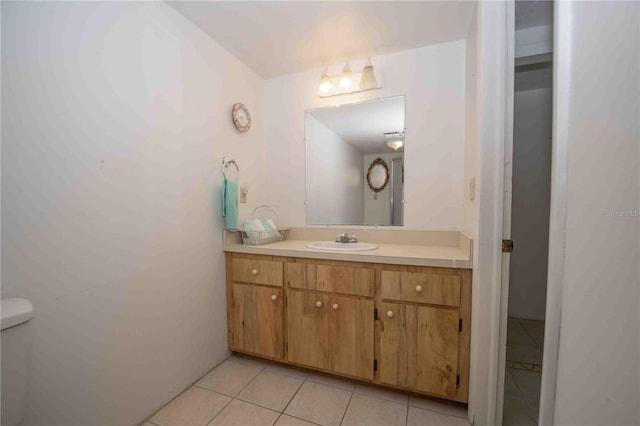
[375, 196]
[244, 191]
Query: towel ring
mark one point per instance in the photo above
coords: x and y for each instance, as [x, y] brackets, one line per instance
[226, 162]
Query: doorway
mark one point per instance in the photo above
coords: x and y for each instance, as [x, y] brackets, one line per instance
[530, 208]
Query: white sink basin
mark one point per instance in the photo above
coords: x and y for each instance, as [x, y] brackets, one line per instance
[333, 246]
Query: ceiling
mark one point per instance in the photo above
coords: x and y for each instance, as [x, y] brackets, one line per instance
[533, 13]
[281, 37]
[363, 125]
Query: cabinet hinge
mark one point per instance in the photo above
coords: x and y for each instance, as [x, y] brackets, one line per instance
[375, 314]
[507, 246]
[375, 365]
[460, 324]
[457, 381]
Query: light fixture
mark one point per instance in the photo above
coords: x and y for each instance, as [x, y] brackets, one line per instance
[395, 140]
[368, 79]
[345, 80]
[326, 85]
[348, 82]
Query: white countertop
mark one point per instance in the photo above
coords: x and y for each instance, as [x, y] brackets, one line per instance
[398, 254]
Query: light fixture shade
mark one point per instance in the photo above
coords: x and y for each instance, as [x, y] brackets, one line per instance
[395, 140]
[368, 79]
[395, 145]
[345, 80]
[326, 86]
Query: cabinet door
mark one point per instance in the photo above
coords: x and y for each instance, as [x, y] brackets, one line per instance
[257, 320]
[351, 331]
[419, 348]
[331, 333]
[308, 331]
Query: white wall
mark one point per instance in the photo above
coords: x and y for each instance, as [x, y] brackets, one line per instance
[530, 203]
[335, 180]
[471, 125]
[595, 295]
[377, 211]
[432, 79]
[115, 119]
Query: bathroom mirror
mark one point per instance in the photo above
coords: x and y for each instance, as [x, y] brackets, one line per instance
[355, 163]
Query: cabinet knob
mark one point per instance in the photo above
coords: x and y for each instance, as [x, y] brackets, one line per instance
[254, 272]
[318, 304]
[419, 288]
[390, 314]
[335, 306]
[274, 297]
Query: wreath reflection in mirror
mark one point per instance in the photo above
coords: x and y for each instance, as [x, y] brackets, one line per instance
[378, 175]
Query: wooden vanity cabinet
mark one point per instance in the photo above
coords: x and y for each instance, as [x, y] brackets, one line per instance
[255, 312]
[405, 327]
[331, 332]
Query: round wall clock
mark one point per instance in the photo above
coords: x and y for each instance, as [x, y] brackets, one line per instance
[241, 117]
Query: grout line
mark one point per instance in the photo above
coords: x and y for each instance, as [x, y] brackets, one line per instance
[300, 418]
[347, 407]
[280, 415]
[406, 417]
[294, 395]
[221, 410]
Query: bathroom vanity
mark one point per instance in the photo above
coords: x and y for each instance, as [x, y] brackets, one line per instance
[397, 316]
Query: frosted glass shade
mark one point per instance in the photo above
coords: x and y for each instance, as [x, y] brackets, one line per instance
[326, 86]
[368, 80]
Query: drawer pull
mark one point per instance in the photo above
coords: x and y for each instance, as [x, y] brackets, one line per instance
[274, 297]
[335, 306]
[419, 288]
[390, 314]
[318, 304]
[254, 272]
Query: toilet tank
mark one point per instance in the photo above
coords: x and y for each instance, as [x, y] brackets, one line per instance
[15, 342]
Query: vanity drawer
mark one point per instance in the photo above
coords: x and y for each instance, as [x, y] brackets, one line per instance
[353, 280]
[421, 287]
[258, 271]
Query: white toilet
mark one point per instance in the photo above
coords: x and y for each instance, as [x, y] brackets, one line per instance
[15, 315]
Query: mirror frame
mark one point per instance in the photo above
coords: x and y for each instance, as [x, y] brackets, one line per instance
[378, 162]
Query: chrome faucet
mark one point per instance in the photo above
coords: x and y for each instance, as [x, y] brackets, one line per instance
[346, 238]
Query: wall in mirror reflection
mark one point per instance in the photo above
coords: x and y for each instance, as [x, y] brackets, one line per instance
[341, 144]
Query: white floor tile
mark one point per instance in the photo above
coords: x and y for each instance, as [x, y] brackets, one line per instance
[510, 386]
[331, 381]
[528, 382]
[522, 353]
[420, 417]
[515, 412]
[287, 371]
[195, 406]
[366, 410]
[380, 393]
[285, 420]
[443, 407]
[239, 413]
[319, 404]
[270, 390]
[517, 335]
[229, 378]
[254, 362]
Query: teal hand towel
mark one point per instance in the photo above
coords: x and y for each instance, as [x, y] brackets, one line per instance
[230, 203]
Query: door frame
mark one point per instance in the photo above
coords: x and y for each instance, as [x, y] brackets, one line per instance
[507, 204]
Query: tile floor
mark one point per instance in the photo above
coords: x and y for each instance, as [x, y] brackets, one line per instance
[524, 372]
[246, 391]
